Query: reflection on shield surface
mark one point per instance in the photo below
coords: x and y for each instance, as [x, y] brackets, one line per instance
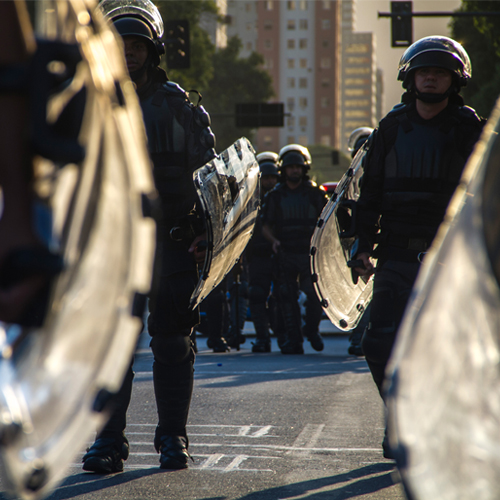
[228, 188]
[343, 295]
[443, 387]
[56, 381]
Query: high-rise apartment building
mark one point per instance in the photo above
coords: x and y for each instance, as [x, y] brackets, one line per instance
[300, 43]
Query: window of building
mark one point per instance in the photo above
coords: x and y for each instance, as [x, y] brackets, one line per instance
[290, 63]
[360, 48]
[249, 46]
[358, 71]
[290, 121]
[352, 124]
[269, 5]
[325, 102]
[325, 63]
[303, 43]
[291, 83]
[303, 4]
[268, 140]
[303, 140]
[250, 26]
[325, 140]
[290, 25]
[290, 139]
[326, 24]
[290, 5]
[303, 121]
[325, 82]
[290, 43]
[303, 24]
[356, 92]
[358, 60]
[356, 103]
[326, 4]
[303, 102]
[357, 113]
[302, 83]
[303, 63]
[248, 7]
[290, 103]
[268, 63]
[268, 24]
[326, 121]
[356, 81]
[268, 44]
[325, 43]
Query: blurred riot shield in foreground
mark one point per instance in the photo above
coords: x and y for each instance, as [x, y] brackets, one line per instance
[92, 176]
[343, 295]
[228, 188]
[443, 387]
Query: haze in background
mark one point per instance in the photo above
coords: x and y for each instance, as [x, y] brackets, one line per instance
[388, 57]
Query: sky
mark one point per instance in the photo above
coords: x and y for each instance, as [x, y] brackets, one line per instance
[387, 57]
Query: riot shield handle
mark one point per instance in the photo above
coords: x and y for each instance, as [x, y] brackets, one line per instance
[349, 222]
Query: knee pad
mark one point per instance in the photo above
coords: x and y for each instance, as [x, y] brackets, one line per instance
[172, 350]
[377, 343]
[257, 295]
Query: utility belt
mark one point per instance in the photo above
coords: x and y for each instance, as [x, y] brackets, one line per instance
[406, 243]
[184, 229]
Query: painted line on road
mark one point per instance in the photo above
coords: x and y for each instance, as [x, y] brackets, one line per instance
[306, 439]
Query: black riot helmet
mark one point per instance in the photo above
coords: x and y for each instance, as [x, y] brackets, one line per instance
[137, 18]
[268, 163]
[435, 51]
[294, 154]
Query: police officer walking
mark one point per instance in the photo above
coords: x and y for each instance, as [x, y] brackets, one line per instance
[412, 169]
[179, 141]
[258, 257]
[289, 216]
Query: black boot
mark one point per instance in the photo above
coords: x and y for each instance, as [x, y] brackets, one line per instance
[261, 325]
[218, 344]
[316, 340]
[106, 455]
[173, 386]
[235, 338]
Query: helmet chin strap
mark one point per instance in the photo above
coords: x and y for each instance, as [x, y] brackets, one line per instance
[431, 98]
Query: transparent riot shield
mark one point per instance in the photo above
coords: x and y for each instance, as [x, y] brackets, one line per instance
[56, 380]
[343, 295]
[443, 388]
[229, 191]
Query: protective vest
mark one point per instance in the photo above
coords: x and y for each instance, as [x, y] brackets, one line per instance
[294, 215]
[179, 141]
[421, 171]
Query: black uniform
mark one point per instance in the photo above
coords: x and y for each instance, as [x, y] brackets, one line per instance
[179, 141]
[412, 169]
[292, 214]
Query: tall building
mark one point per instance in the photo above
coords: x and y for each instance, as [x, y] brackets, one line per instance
[300, 43]
[361, 81]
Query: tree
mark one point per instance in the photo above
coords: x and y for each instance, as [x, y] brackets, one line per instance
[200, 73]
[235, 80]
[481, 39]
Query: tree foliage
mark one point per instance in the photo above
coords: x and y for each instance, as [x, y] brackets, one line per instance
[480, 36]
[235, 80]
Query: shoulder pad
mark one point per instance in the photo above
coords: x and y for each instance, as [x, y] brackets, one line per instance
[174, 89]
[398, 110]
[467, 113]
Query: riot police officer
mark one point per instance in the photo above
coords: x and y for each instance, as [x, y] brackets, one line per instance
[356, 139]
[179, 141]
[413, 167]
[258, 257]
[289, 216]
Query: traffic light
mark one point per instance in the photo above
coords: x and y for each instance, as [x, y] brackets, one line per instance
[177, 44]
[260, 114]
[401, 26]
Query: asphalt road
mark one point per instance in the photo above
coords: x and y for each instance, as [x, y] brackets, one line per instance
[261, 427]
